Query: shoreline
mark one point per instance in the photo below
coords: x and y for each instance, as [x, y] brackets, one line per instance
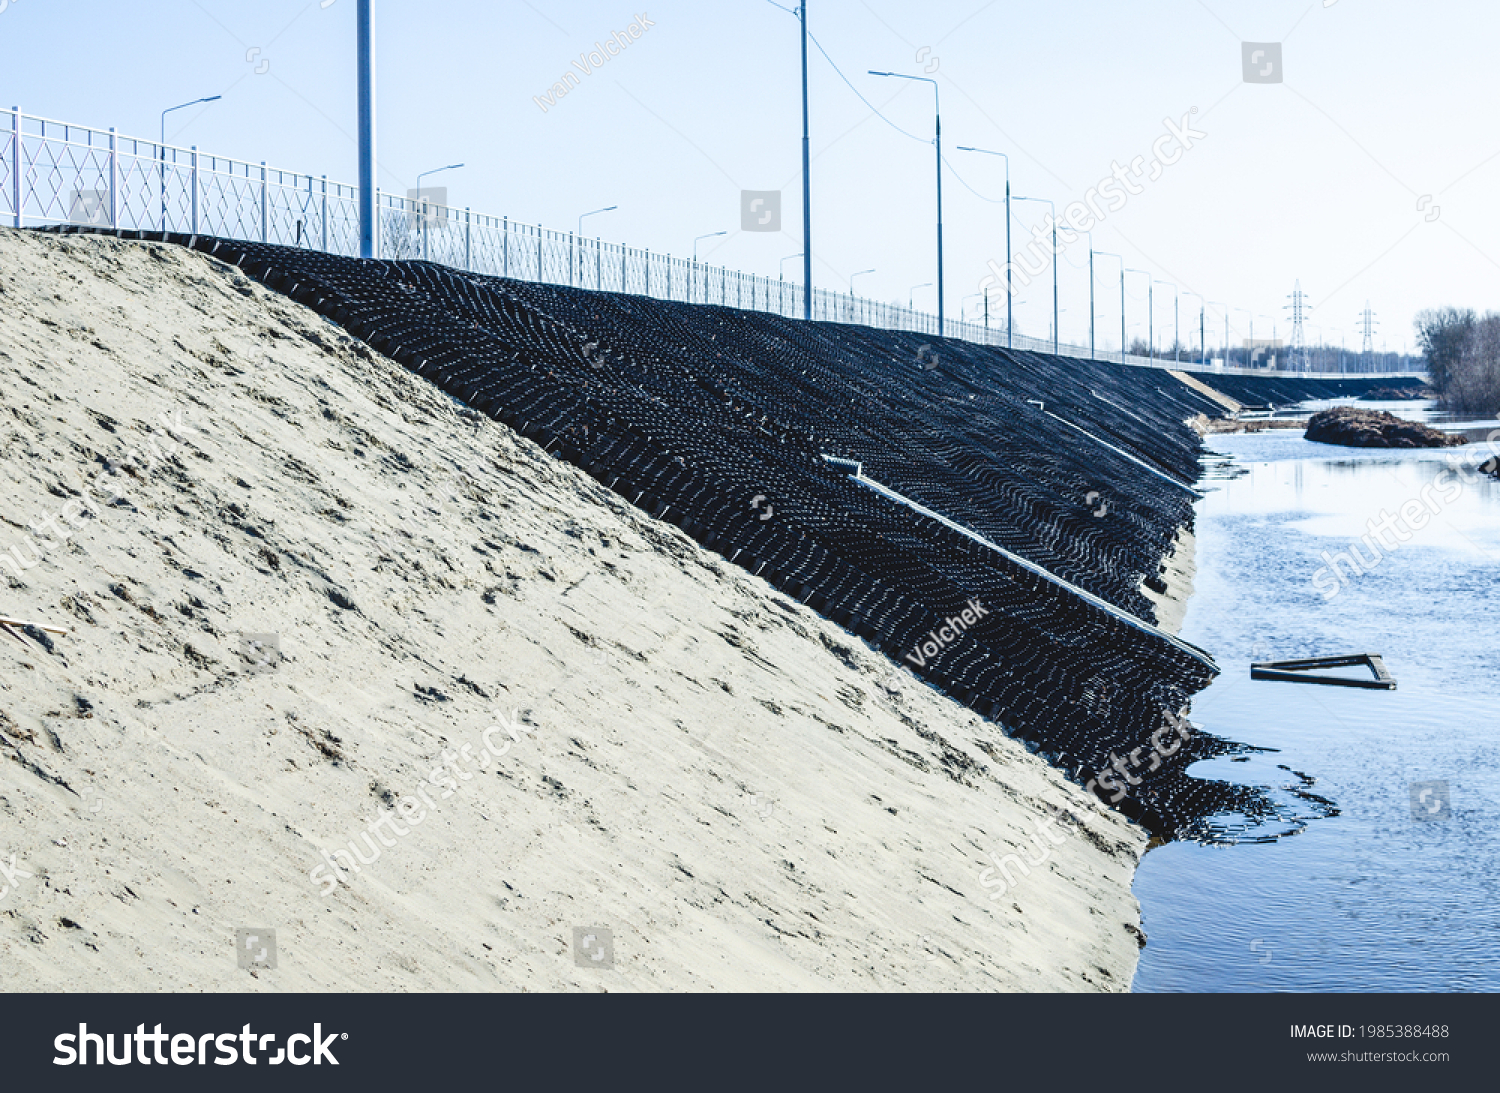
[1179, 568]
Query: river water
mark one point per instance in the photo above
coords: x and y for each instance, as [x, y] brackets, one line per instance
[1389, 877]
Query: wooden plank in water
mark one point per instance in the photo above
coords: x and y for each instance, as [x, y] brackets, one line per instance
[1299, 671]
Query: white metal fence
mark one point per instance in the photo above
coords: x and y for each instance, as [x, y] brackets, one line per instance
[55, 173]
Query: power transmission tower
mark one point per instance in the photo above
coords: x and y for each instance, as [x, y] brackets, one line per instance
[1299, 307]
[1367, 325]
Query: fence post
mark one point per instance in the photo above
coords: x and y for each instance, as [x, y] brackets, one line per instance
[539, 253]
[375, 242]
[468, 239]
[648, 271]
[193, 175]
[114, 179]
[265, 206]
[669, 277]
[15, 162]
[598, 264]
[325, 214]
[505, 247]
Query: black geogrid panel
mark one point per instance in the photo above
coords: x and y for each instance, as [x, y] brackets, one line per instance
[694, 412]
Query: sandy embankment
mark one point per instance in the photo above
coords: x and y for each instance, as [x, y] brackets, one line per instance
[742, 793]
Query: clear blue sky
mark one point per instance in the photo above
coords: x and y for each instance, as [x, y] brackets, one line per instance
[1318, 177]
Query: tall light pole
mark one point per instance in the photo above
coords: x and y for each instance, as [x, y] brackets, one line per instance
[1107, 254]
[938, 116]
[162, 149]
[781, 269]
[1252, 329]
[1048, 203]
[573, 242]
[435, 171]
[1009, 295]
[365, 18]
[806, 180]
[1176, 321]
[710, 235]
[422, 204]
[1150, 334]
[911, 298]
[1202, 345]
[1092, 353]
[861, 273]
[1226, 329]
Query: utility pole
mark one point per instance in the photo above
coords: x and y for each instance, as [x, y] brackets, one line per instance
[806, 182]
[1299, 308]
[368, 243]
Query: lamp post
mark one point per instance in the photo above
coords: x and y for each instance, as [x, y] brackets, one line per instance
[422, 210]
[806, 179]
[911, 306]
[1226, 308]
[1093, 353]
[861, 273]
[938, 116]
[1150, 319]
[1252, 329]
[1107, 254]
[1009, 295]
[365, 48]
[162, 150]
[781, 270]
[1176, 322]
[710, 235]
[1202, 346]
[572, 243]
[1053, 208]
[435, 171]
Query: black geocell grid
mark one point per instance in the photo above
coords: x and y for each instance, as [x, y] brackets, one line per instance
[691, 412]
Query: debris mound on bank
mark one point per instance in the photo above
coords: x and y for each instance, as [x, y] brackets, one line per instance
[1357, 427]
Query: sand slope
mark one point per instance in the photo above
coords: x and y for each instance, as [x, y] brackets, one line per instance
[746, 796]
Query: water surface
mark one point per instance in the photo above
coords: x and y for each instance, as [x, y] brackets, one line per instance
[1370, 892]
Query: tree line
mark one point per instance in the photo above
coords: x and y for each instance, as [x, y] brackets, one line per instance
[1462, 352]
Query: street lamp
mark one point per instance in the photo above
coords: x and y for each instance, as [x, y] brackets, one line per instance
[781, 269]
[1009, 340]
[1252, 329]
[1107, 254]
[938, 116]
[1048, 203]
[910, 298]
[422, 204]
[710, 235]
[162, 149]
[861, 273]
[1202, 343]
[965, 300]
[572, 243]
[1176, 322]
[1151, 316]
[435, 171]
[1226, 308]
